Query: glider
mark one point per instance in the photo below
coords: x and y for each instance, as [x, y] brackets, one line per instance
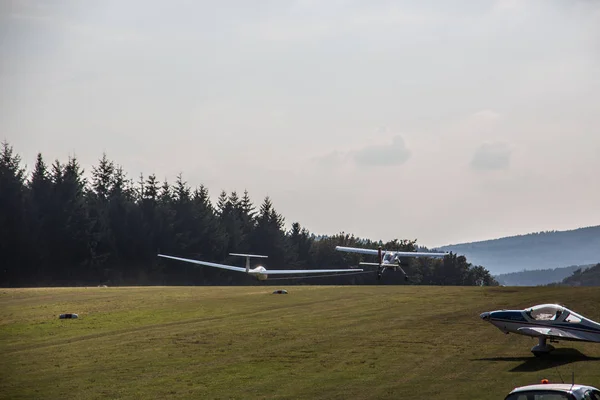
[386, 258]
[545, 321]
[260, 272]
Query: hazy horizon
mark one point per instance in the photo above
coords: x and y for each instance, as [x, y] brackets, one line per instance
[446, 123]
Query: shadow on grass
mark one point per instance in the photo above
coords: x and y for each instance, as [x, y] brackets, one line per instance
[557, 358]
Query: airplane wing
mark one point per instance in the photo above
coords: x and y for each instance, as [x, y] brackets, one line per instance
[418, 254]
[398, 253]
[206, 263]
[356, 250]
[304, 271]
[552, 333]
[268, 271]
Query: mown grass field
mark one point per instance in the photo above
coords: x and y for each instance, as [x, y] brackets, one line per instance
[317, 342]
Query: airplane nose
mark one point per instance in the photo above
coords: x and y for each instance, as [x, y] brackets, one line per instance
[485, 316]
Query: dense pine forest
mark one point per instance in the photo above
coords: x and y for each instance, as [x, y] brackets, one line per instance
[60, 227]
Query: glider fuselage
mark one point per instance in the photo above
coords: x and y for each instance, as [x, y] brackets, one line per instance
[259, 273]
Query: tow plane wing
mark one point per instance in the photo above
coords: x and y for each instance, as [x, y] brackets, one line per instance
[375, 252]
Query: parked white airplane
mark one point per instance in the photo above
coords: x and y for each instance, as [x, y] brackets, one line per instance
[260, 272]
[545, 321]
[387, 259]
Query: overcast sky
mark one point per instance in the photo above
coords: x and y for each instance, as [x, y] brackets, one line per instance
[444, 121]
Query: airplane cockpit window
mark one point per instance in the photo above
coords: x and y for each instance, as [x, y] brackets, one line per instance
[573, 319]
[545, 313]
[388, 257]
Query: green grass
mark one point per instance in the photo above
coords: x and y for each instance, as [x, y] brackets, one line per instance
[359, 342]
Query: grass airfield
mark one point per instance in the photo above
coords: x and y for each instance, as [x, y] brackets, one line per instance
[317, 342]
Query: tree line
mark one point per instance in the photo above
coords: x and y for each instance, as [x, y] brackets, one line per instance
[583, 276]
[536, 277]
[59, 228]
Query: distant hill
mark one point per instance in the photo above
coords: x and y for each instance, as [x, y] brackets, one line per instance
[538, 277]
[584, 277]
[543, 250]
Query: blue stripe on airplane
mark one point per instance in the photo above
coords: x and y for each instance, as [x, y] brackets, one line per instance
[572, 326]
[509, 315]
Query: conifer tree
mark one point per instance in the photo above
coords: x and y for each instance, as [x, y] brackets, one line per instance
[72, 251]
[39, 214]
[12, 216]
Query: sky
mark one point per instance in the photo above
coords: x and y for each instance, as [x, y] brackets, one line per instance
[444, 122]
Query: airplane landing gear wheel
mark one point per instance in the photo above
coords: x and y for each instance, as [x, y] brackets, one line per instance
[542, 348]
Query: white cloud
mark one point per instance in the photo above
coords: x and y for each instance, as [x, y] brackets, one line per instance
[383, 155]
[331, 160]
[486, 115]
[372, 155]
[491, 156]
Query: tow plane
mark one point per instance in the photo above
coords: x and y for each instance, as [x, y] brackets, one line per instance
[387, 259]
[260, 272]
[547, 322]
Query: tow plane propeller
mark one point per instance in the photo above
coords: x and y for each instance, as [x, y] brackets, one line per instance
[260, 272]
[387, 259]
[551, 322]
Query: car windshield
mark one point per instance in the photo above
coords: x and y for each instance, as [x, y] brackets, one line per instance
[539, 395]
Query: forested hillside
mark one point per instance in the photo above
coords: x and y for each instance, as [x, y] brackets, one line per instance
[543, 250]
[583, 277]
[538, 276]
[58, 227]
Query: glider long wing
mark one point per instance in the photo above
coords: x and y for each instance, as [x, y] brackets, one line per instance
[206, 263]
[304, 271]
[398, 253]
[268, 271]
